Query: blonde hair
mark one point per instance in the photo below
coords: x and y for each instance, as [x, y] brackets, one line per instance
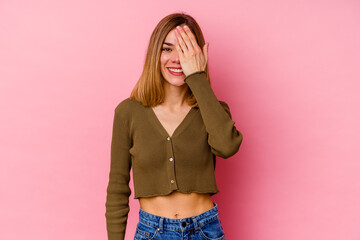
[149, 88]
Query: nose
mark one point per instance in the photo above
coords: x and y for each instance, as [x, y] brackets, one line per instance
[175, 56]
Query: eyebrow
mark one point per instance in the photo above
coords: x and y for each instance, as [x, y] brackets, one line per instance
[170, 44]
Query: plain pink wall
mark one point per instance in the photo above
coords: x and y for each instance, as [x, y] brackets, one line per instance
[289, 71]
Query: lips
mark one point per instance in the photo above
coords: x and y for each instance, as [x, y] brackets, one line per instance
[175, 73]
[175, 69]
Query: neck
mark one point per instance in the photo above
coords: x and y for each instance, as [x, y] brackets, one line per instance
[175, 95]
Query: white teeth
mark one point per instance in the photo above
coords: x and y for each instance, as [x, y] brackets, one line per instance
[175, 70]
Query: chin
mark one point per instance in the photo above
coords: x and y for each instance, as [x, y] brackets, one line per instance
[176, 82]
[173, 80]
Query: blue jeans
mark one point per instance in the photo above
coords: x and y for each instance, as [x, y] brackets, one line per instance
[206, 226]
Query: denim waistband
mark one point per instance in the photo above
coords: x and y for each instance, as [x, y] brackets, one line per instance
[181, 224]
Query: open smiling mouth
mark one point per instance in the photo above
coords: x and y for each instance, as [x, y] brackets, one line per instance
[175, 71]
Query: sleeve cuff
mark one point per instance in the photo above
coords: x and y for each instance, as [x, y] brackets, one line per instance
[193, 75]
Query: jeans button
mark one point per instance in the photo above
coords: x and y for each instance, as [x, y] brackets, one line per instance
[183, 224]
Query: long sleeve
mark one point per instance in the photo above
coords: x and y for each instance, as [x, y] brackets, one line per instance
[118, 190]
[223, 137]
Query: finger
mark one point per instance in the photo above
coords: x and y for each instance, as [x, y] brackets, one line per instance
[192, 38]
[186, 39]
[178, 48]
[206, 52]
[181, 41]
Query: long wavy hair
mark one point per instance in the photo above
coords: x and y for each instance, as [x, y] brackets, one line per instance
[149, 88]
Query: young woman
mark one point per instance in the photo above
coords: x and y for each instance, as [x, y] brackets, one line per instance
[169, 131]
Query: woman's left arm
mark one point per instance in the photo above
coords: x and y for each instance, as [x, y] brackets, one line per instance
[224, 139]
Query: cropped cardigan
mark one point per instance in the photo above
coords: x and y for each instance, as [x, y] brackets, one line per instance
[161, 164]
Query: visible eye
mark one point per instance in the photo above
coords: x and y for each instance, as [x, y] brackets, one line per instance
[166, 49]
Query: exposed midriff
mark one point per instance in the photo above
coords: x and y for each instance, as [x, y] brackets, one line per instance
[177, 204]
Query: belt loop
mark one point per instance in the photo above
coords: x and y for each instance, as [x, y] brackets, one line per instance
[196, 225]
[161, 225]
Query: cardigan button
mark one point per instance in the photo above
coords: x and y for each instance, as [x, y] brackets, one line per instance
[172, 181]
[170, 159]
[168, 138]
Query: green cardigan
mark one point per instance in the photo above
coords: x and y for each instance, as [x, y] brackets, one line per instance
[161, 164]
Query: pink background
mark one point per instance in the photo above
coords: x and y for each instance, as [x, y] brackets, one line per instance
[289, 71]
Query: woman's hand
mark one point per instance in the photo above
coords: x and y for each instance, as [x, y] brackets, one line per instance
[192, 58]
